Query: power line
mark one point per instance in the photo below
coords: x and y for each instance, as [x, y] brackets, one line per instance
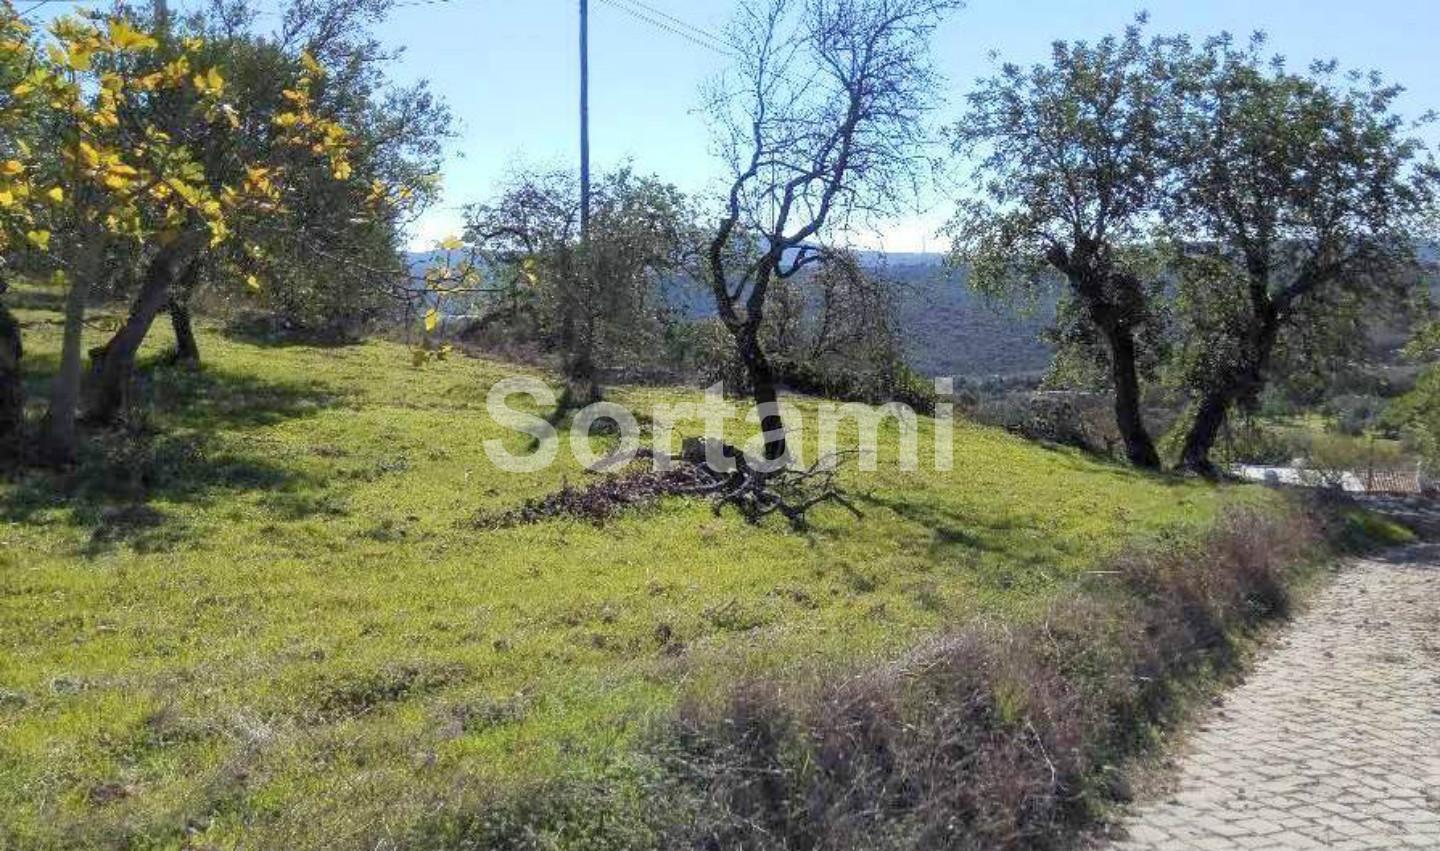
[660, 24]
[42, 3]
[660, 13]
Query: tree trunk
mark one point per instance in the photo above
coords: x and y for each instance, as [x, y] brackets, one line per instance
[577, 336]
[114, 364]
[763, 390]
[1214, 407]
[58, 443]
[187, 350]
[1139, 447]
[581, 387]
[1209, 419]
[12, 389]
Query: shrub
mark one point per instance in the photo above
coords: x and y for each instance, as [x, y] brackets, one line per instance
[986, 737]
[1082, 420]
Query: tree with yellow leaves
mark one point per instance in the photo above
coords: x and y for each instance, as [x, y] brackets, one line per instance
[332, 262]
[248, 186]
[17, 128]
[132, 122]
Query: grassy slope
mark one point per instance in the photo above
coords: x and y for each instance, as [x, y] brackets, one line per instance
[299, 639]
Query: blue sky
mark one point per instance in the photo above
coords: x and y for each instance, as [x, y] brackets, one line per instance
[508, 68]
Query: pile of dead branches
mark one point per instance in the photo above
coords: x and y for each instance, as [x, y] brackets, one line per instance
[756, 493]
[722, 475]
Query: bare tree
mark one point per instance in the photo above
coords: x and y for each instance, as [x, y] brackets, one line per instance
[821, 121]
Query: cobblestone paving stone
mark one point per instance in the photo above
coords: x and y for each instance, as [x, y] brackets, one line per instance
[1334, 739]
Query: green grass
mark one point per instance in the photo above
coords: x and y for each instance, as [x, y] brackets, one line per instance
[268, 622]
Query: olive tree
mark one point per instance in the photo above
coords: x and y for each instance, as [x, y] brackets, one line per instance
[1302, 199]
[598, 302]
[821, 120]
[1069, 175]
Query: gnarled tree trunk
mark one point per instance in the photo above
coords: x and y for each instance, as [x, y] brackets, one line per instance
[1210, 417]
[114, 363]
[1215, 405]
[1116, 317]
[764, 392]
[59, 442]
[187, 349]
[12, 389]
[1129, 419]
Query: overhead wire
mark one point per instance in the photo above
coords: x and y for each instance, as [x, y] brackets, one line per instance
[654, 21]
[682, 24]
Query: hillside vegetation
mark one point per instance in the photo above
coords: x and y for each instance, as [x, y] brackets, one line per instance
[268, 617]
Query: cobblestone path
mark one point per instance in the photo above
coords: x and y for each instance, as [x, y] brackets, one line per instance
[1334, 739]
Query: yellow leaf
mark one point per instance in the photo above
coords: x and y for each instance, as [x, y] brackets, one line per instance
[252, 282]
[56, 194]
[7, 198]
[432, 319]
[39, 238]
[10, 168]
[126, 37]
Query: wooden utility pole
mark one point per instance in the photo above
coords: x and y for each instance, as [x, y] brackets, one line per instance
[584, 120]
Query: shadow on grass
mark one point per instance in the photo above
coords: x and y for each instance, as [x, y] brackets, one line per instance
[183, 448]
[950, 530]
[1094, 463]
[208, 398]
[35, 298]
[263, 330]
[963, 541]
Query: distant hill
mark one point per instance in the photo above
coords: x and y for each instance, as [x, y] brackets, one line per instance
[947, 328]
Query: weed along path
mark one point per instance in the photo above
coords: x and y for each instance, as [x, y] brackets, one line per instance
[1334, 740]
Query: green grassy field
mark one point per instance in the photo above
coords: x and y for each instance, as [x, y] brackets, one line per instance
[268, 620]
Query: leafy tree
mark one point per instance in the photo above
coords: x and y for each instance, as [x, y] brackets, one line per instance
[332, 259]
[1069, 176]
[128, 125]
[599, 302]
[282, 145]
[1302, 202]
[17, 133]
[822, 122]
